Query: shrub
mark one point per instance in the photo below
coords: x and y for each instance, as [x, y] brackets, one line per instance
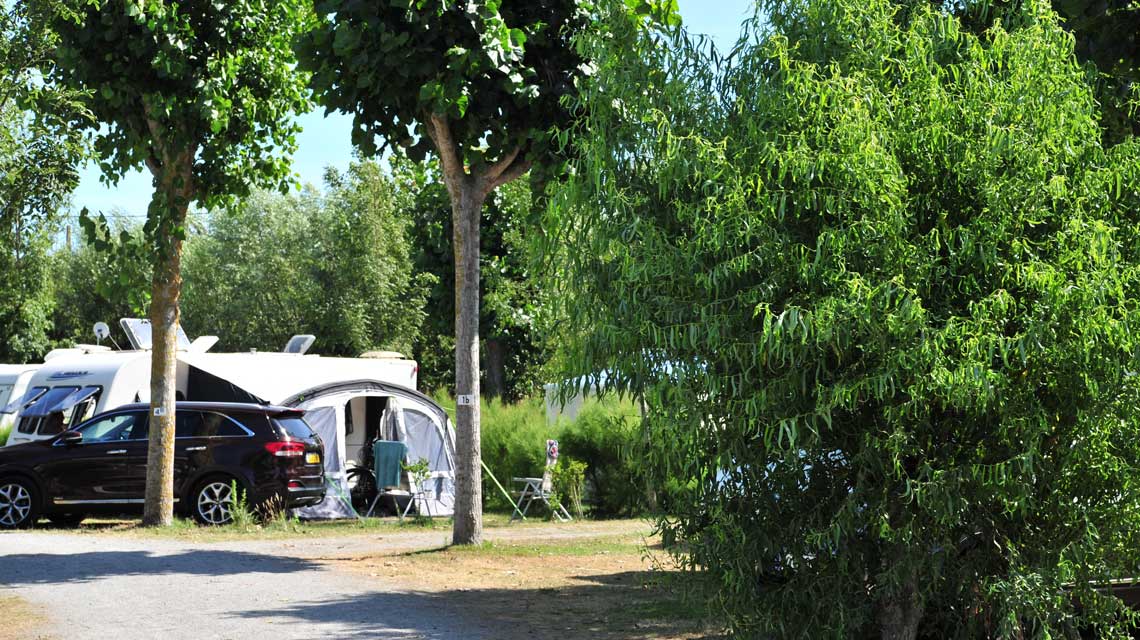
[602, 437]
[605, 435]
[4, 431]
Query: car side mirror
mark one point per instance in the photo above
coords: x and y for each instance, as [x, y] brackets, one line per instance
[69, 438]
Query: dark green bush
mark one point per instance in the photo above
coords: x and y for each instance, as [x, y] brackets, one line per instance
[605, 436]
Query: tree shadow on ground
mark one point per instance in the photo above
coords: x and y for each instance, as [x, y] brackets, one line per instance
[48, 568]
[634, 605]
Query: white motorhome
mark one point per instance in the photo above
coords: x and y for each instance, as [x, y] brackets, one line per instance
[14, 380]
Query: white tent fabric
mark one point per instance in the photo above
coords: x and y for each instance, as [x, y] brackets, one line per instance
[409, 420]
[429, 440]
[337, 502]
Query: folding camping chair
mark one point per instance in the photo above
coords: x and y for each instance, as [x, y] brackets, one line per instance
[387, 464]
[541, 488]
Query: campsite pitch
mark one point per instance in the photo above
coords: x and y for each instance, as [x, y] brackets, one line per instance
[537, 580]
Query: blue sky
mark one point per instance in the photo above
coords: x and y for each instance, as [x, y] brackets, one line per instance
[324, 141]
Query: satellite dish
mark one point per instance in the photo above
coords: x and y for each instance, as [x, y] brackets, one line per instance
[102, 332]
[300, 344]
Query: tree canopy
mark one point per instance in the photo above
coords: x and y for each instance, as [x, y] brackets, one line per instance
[877, 278]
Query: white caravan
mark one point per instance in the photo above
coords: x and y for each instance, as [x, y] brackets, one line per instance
[71, 387]
[13, 383]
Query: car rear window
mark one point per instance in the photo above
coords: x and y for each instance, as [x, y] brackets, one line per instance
[295, 427]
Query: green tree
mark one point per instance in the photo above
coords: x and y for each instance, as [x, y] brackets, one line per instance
[90, 285]
[513, 349]
[39, 154]
[479, 85]
[200, 93]
[877, 278]
[335, 264]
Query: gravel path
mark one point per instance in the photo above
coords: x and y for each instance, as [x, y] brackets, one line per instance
[108, 586]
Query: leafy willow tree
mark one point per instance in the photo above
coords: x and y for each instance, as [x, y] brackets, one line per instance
[478, 85]
[200, 93]
[39, 153]
[513, 349]
[877, 278]
[334, 263]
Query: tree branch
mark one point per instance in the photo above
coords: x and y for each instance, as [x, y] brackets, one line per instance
[440, 133]
[516, 170]
[494, 171]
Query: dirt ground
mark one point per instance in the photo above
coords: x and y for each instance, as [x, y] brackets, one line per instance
[21, 620]
[379, 582]
[612, 587]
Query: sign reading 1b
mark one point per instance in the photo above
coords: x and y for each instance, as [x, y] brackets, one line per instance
[465, 400]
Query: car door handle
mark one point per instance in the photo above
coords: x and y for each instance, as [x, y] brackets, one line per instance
[116, 451]
[195, 448]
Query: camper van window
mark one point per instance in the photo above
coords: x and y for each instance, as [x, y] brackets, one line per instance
[51, 425]
[5, 391]
[27, 425]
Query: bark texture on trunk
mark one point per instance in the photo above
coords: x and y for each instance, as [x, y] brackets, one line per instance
[173, 191]
[899, 611]
[466, 211]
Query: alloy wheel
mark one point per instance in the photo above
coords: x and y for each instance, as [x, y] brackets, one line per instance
[215, 503]
[15, 504]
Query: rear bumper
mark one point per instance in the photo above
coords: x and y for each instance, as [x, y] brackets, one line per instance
[304, 496]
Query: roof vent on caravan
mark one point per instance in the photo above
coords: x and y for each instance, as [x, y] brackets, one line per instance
[139, 333]
[300, 344]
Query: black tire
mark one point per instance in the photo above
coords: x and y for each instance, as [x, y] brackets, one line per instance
[212, 501]
[66, 520]
[19, 503]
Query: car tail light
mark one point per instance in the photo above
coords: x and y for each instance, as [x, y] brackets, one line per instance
[286, 449]
[296, 484]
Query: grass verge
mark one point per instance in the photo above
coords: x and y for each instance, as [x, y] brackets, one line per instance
[281, 528]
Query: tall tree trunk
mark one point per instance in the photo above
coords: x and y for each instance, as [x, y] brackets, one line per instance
[899, 610]
[169, 206]
[467, 204]
[496, 369]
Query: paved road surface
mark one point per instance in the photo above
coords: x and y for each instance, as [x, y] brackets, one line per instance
[111, 586]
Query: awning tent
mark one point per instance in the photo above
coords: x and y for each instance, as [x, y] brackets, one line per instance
[323, 387]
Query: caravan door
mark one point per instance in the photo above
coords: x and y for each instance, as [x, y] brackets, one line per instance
[428, 439]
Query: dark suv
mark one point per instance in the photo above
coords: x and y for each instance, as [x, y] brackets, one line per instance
[270, 453]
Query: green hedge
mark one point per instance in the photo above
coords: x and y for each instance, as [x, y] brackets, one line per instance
[603, 436]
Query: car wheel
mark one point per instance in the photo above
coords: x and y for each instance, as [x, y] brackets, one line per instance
[66, 520]
[213, 501]
[19, 503]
